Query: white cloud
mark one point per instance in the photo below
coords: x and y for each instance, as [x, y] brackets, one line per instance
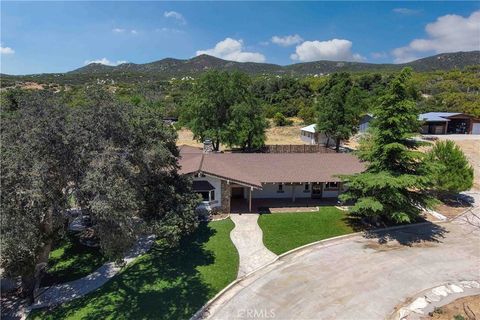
[231, 49]
[133, 31]
[105, 61]
[118, 30]
[449, 33]
[335, 49]
[122, 30]
[6, 50]
[406, 11]
[379, 55]
[287, 40]
[175, 15]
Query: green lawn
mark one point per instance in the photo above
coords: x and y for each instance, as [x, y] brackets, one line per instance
[71, 260]
[285, 231]
[165, 283]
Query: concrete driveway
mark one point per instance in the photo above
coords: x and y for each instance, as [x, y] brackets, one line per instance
[358, 277]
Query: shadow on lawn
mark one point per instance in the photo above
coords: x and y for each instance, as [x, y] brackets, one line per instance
[164, 284]
[76, 261]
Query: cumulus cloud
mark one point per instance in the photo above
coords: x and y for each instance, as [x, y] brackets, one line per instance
[335, 49]
[6, 50]
[449, 33]
[118, 30]
[232, 49]
[175, 15]
[105, 61]
[286, 41]
[406, 11]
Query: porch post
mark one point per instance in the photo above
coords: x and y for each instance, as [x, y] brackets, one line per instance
[293, 192]
[250, 199]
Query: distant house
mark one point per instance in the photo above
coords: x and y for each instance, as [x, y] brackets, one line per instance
[449, 123]
[224, 180]
[309, 135]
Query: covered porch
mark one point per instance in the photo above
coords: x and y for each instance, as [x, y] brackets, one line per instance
[271, 205]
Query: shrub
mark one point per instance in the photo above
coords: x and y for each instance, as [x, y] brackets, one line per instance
[280, 120]
[449, 168]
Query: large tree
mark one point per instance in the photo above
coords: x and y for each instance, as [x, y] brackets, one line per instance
[120, 160]
[208, 110]
[393, 186]
[247, 126]
[339, 108]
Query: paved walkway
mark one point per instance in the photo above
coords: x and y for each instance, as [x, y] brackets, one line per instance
[248, 239]
[358, 277]
[64, 292]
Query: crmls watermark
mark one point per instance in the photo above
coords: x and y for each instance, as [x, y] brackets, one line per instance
[256, 313]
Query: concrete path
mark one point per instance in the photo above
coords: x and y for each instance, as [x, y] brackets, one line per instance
[64, 292]
[248, 239]
[361, 277]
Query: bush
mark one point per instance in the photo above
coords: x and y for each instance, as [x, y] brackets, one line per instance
[449, 168]
[280, 120]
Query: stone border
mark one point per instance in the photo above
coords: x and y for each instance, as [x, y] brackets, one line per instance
[203, 313]
[432, 298]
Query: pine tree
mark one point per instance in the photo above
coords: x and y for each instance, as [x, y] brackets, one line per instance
[392, 187]
[450, 170]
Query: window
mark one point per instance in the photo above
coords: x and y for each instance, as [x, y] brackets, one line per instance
[331, 186]
[207, 195]
[204, 195]
[307, 187]
[280, 188]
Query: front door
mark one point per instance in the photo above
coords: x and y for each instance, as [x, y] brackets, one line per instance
[317, 190]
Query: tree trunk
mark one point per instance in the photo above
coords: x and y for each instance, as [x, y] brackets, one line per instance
[337, 145]
[33, 284]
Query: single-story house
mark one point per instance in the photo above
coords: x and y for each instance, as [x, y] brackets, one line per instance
[309, 134]
[223, 178]
[449, 123]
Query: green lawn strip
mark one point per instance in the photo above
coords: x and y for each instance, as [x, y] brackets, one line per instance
[285, 231]
[165, 283]
[71, 260]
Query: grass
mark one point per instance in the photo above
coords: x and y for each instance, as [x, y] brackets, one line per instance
[285, 231]
[165, 283]
[71, 260]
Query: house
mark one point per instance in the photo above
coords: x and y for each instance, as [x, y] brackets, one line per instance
[309, 135]
[227, 179]
[449, 123]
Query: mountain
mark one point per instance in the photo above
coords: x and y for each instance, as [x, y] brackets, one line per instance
[169, 68]
[177, 67]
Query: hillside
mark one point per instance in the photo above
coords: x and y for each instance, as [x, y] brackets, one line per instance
[169, 68]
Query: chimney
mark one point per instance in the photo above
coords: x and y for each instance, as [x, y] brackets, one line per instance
[207, 146]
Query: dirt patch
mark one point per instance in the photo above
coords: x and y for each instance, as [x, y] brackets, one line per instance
[451, 211]
[463, 308]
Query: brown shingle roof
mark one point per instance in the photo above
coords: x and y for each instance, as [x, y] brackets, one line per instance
[257, 168]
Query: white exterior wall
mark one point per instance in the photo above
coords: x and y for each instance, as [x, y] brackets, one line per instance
[270, 191]
[216, 183]
[307, 137]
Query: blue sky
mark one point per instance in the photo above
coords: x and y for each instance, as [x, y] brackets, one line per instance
[41, 37]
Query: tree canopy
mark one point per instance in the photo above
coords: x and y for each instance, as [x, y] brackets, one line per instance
[217, 109]
[119, 160]
[393, 186]
[339, 108]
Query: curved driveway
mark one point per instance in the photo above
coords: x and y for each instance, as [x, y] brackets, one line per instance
[356, 277]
